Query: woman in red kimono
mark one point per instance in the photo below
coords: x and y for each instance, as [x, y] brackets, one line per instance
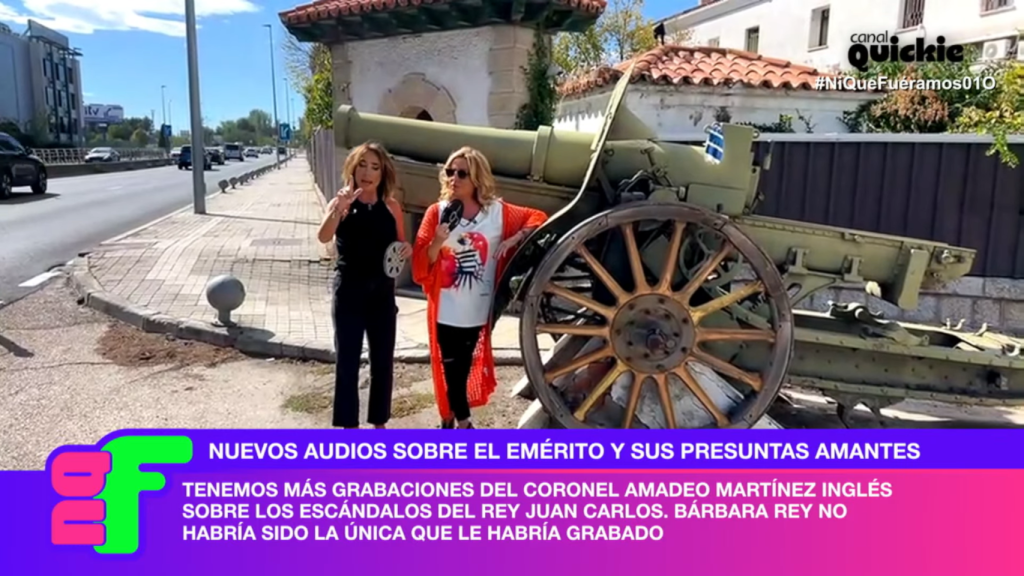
[458, 267]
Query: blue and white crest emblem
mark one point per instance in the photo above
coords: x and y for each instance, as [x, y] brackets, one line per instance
[714, 145]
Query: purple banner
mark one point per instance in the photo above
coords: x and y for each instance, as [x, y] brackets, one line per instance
[155, 502]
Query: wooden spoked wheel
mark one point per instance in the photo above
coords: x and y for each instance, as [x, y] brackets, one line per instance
[644, 285]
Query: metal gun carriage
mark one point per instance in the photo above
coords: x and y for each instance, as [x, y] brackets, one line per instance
[672, 302]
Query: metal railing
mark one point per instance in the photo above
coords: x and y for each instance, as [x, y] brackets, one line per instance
[77, 155]
[323, 162]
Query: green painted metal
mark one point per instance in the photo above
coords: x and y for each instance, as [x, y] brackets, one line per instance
[849, 354]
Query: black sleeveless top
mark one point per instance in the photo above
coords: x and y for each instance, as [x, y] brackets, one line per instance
[362, 239]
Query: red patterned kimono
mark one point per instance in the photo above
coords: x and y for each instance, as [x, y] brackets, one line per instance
[482, 381]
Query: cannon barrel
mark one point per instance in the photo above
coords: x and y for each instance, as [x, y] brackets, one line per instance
[557, 157]
[562, 157]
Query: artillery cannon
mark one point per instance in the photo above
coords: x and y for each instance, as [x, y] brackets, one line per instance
[654, 268]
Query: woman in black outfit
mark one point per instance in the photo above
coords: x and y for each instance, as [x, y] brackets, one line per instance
[364, 219]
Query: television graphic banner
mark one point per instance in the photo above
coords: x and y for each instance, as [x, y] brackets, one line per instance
[521, 502]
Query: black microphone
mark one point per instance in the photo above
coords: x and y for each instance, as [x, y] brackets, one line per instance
[452, 214]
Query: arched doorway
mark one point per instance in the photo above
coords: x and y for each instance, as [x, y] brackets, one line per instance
[418, 98]
[417, 113]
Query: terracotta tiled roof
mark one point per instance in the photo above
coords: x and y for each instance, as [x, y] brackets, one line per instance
[330, 9]
[699, 65]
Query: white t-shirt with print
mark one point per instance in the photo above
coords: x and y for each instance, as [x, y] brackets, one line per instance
[469, 267]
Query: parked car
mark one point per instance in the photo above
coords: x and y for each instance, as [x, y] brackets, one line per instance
[216, 156]
[175, 153]
[19, 167]
[252, 153]
[234, 152]
[267, 150]
[185, 159]
[102, 155]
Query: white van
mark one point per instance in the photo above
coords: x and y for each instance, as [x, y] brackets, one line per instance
[234, 152]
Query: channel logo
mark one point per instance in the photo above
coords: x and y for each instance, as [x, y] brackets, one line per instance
[102, 489]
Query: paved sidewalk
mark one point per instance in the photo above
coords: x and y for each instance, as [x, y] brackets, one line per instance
[263, 233]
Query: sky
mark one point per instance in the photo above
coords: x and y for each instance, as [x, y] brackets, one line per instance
[133, 47]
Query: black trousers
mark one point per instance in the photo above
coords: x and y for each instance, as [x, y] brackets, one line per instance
[363, 307]
[457, 345]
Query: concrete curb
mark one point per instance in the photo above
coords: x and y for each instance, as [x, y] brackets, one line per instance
[243, 339]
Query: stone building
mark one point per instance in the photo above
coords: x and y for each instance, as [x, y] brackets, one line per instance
[451, 61]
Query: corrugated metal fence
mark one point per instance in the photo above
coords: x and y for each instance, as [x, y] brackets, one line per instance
[949, 192]
[323, 162]
[944, 188]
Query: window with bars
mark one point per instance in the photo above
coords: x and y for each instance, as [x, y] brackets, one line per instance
[993, 5]
[913, 14]
[713, 43]
[753, 36]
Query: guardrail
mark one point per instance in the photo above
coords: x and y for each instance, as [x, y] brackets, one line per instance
[58, 156]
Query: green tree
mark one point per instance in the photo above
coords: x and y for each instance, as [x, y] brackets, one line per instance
[140, 138]
[958, 108]
[121, 132]
[309, 68]
[627, 31]
[539, 109]
[1000, 117]
[254, 129]
[580, 51]
[621, 33]
[318, 92]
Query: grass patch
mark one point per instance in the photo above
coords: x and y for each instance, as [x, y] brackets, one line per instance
[410, 404]
[321, 369]
[126, 345]
[308, 402]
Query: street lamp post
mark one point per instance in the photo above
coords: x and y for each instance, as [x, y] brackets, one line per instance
[163, 104]
[198, 153]
[287, 105]
[273, 86]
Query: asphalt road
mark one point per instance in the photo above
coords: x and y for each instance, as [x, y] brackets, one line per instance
[38, 233]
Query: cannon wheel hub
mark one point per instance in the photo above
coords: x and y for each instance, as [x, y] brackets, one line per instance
[653, 309]
[652, 333]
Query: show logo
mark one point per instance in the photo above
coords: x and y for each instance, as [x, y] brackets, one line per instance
[102, 490]
[880, 48]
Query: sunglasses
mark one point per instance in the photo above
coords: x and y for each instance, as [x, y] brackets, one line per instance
[449, 172]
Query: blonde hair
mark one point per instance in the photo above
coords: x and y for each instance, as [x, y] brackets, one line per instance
[479, 174]
[389, 175]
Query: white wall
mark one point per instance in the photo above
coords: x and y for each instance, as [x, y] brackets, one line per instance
[962, 22]
[673, 111]
[456, 60]
[785, 25]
